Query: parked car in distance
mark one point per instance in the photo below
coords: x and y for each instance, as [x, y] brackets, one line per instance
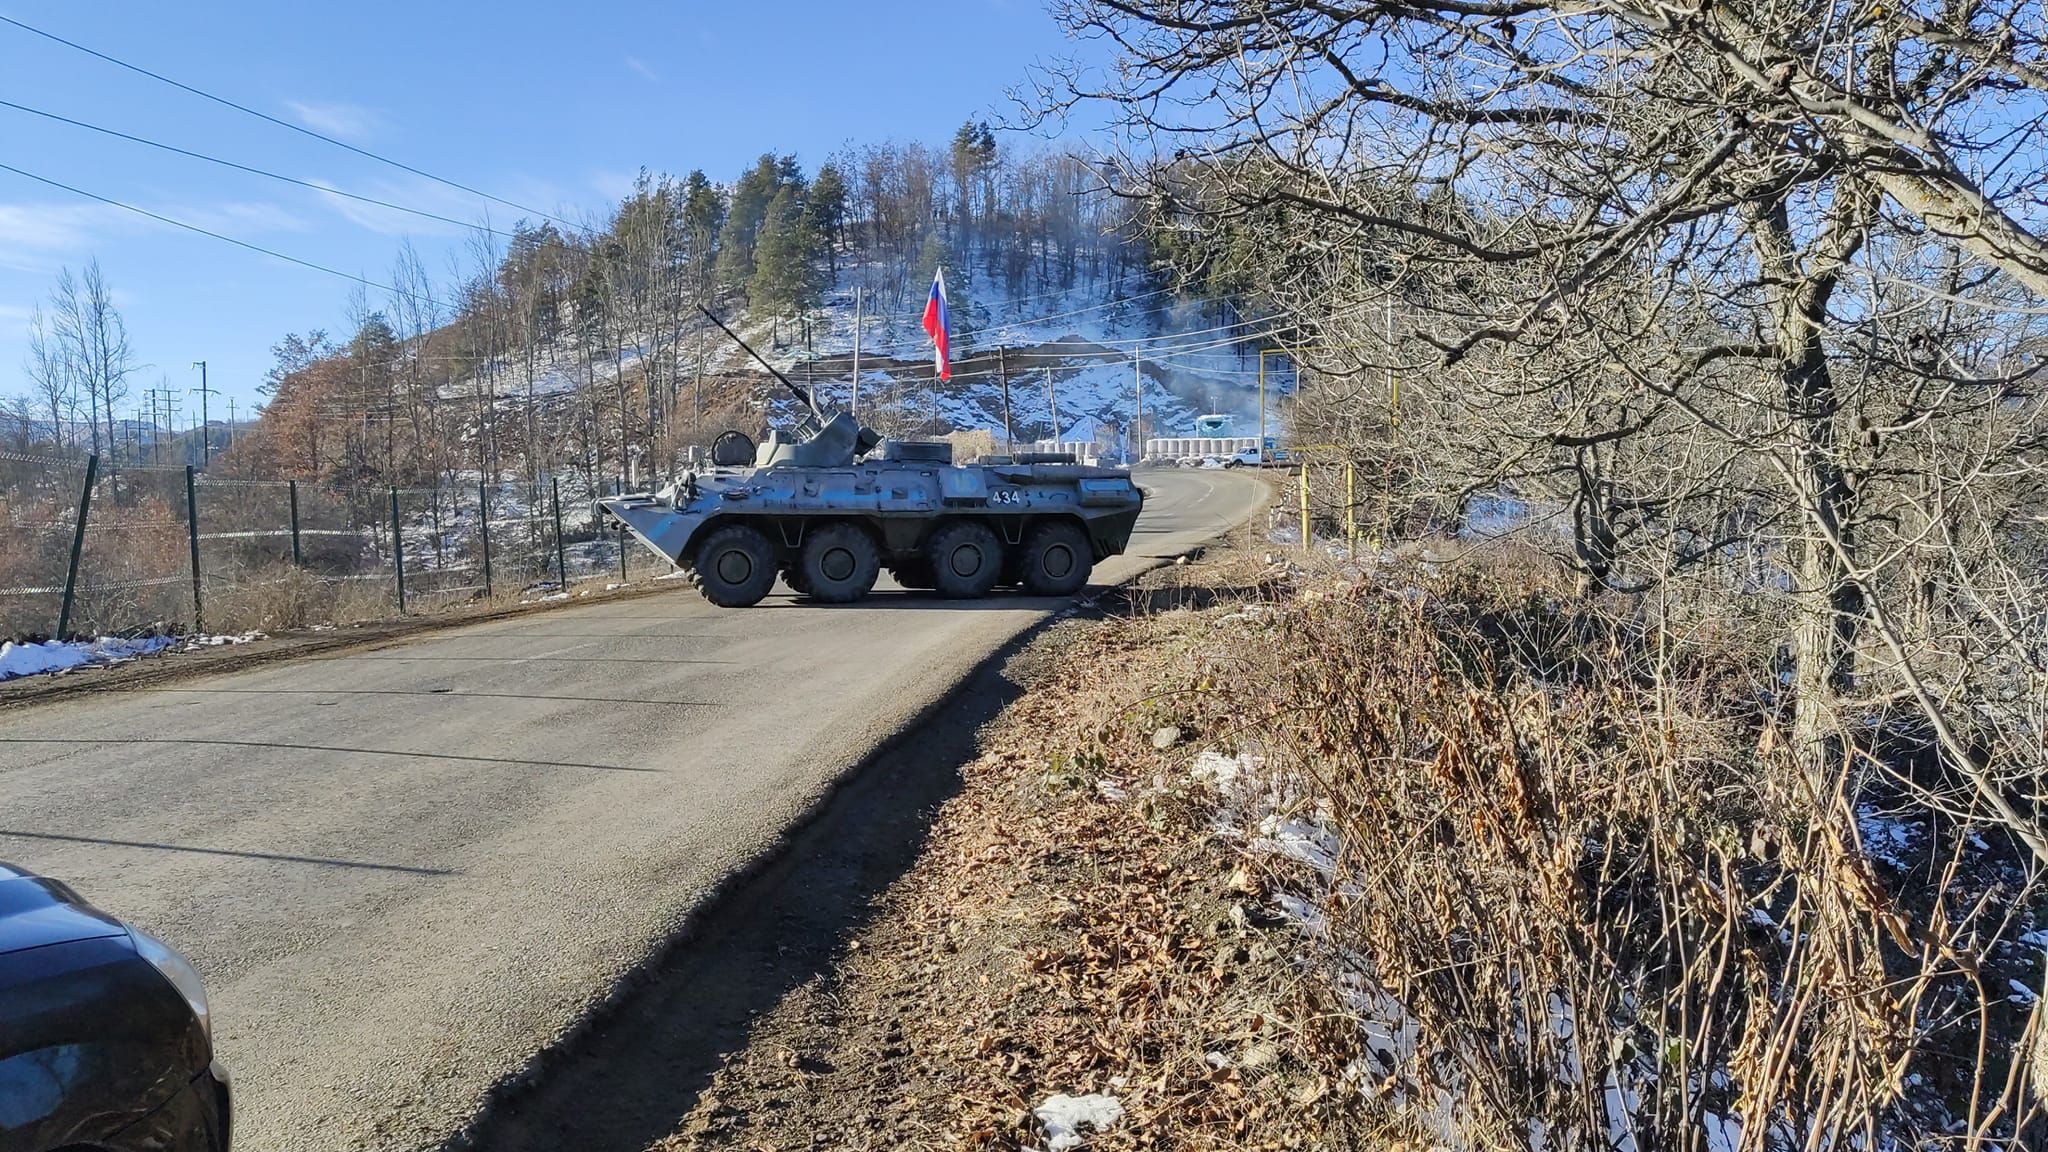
[106, 1040]
[1249, 458]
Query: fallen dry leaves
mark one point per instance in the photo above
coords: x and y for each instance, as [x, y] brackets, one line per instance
[1074, 926]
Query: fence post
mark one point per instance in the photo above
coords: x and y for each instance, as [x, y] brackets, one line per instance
[298, 560]
[1307, 535]
[483, 513]
[92, 468]
[622, 544]
[192, 531]
[398, 549]
[561, 554]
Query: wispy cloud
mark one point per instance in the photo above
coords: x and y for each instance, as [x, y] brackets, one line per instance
[640, 66]
[239, 219]
[56, 227]
[418, 193]
[348, 121]
[612, 183]
[36, 237]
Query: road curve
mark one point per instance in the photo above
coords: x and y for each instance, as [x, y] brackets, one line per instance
[404, 870]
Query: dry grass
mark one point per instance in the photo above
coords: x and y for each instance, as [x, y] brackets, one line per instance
[284, 598]
[1572, 865]
[1578, 859]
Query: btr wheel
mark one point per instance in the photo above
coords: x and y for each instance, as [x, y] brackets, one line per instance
[793, 575]
[966, 559]
[734, 567]
[1056, 560]
[839, 563]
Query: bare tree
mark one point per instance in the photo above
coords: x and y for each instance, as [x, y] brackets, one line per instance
[21, 420]
[1671, 200]
[96, 345]
[52, 370]
[1746, 299]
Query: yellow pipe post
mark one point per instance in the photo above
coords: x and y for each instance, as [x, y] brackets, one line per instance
[1307, 534]
[1351, 506]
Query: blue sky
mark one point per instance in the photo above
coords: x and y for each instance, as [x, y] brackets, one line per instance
[551, 105]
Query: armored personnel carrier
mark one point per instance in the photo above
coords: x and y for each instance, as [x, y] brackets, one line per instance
[830, 506]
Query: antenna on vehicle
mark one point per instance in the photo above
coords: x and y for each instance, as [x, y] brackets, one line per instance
[801, 393]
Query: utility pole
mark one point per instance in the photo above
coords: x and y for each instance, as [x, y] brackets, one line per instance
[162, 418]
[854, 407]
[1138, 420]
[1262, 407]
[231, 423]
[205, 425]
[1003, 373]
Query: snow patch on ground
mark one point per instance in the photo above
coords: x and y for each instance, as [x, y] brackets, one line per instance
[18, 660]
[1064, 1116]
[1311, 841]
[1222, 771]
[1886, 838]
[192, 642]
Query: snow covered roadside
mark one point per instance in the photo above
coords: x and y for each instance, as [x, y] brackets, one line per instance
[18, 660]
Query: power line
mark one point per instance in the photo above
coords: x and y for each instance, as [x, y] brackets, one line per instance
[246, 168]
[1103, 306]
[257, 248]
[1072, 291]
[301, 130]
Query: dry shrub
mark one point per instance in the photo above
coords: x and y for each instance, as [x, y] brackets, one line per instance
[284, 597]
[971, 445]
[1578, 860]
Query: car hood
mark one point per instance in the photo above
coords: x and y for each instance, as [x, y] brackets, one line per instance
[36, 911]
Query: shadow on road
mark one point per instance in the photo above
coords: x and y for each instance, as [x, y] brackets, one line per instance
[444, 693]
[515, 658]
[282, 746]
[286, 858]
[916, 600]
[634, 1071]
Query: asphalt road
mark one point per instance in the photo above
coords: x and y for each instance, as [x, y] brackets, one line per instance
[405, 870]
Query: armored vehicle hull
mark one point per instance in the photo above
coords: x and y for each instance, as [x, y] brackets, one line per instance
[1037, 523]
[829, 508]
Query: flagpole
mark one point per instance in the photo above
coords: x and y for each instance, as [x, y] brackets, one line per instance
[1053, 399]
[855, 405]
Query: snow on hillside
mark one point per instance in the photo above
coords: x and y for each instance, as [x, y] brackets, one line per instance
[1086, 337]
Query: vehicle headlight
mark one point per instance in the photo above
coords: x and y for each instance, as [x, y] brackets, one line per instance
[178, 971]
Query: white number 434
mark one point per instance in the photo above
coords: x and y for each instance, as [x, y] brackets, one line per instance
[1006, 496]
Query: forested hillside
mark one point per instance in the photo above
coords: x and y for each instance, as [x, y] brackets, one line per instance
[582, 350]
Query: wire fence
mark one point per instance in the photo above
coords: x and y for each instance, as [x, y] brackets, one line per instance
[93, 550]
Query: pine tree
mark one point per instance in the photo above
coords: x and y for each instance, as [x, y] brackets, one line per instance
[974, 149]
[703, 218]
[750, 200]
[827, 202]
[786, 276]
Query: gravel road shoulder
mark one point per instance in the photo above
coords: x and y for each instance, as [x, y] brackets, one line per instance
[1070, 925]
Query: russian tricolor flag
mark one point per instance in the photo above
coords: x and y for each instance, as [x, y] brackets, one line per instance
[936, 327]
